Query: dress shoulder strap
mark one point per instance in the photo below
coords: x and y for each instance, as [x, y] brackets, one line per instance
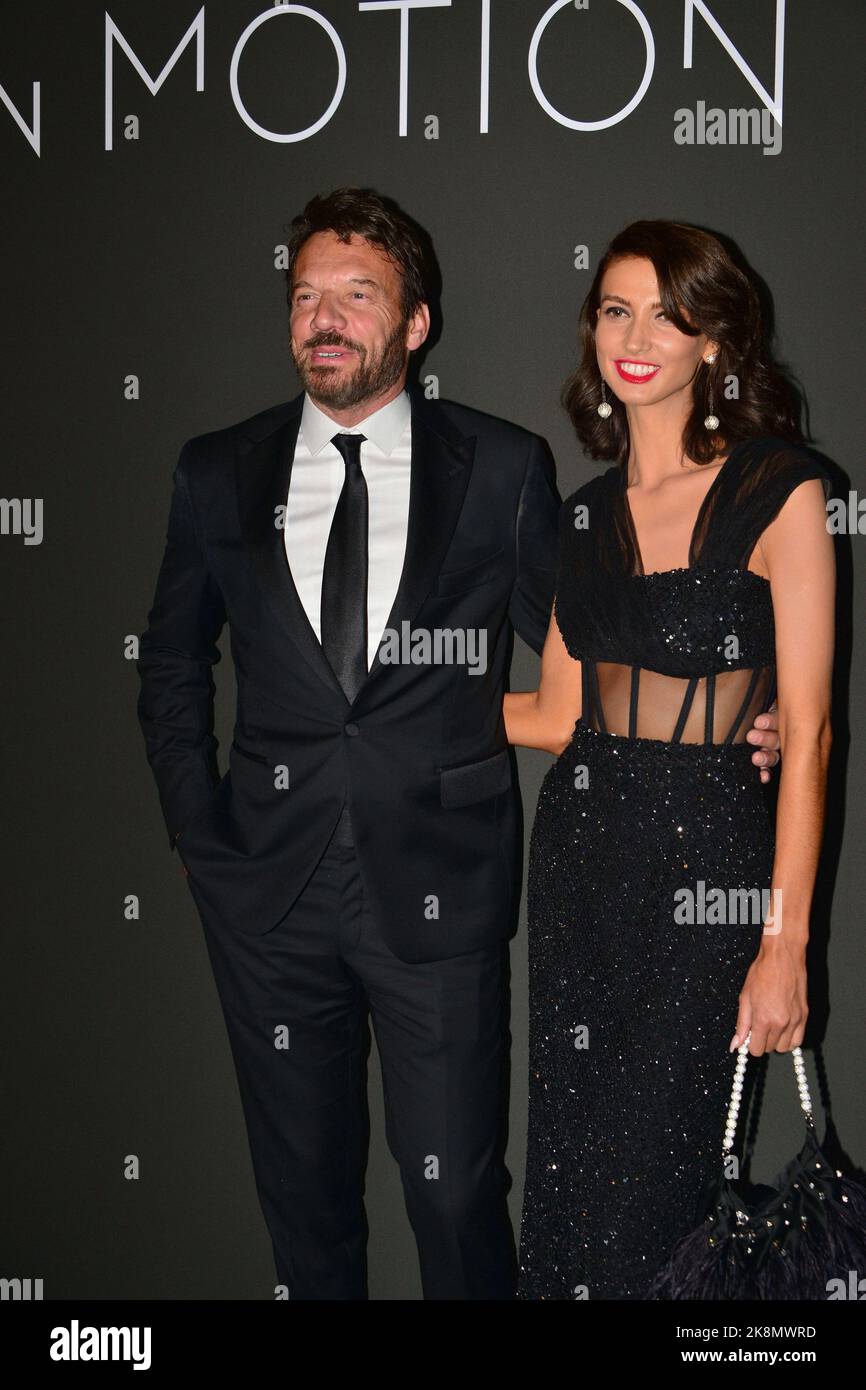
[584, 532]
[583, 527]
[753, 485]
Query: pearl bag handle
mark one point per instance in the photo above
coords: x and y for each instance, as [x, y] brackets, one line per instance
[737, 1091]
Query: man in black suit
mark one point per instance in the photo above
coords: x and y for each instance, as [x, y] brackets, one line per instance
[372, 552]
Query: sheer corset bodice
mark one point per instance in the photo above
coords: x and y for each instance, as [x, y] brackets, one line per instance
[684, 655]
[640, 703]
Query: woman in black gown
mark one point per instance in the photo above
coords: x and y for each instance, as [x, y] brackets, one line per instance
[695, 582]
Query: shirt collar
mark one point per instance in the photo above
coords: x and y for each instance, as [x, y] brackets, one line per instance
[384, 427]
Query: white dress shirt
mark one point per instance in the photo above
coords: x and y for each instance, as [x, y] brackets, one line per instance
[318, 474]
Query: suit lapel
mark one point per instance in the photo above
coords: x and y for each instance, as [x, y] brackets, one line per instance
[264, 471]
[441, 467]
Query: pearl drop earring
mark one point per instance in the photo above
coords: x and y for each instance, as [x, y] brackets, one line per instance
[604, 407]
[712, 421]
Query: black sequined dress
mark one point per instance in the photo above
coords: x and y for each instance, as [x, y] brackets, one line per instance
[636, 964]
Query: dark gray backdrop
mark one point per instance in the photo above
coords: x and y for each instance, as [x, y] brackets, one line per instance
[155, 259]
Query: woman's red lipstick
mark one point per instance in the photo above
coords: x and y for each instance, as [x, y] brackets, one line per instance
[626, 365]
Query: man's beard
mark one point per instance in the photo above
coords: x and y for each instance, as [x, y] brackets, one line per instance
[371, 378]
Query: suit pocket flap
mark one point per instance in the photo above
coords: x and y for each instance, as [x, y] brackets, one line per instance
[247, 753]
[460, 786]
[471, 576]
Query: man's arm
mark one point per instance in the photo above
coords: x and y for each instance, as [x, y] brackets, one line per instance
[176, 654]
[537, 524]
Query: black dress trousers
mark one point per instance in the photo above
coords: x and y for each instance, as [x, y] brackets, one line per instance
[295, 1001]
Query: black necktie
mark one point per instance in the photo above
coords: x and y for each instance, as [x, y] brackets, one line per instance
[344, 580]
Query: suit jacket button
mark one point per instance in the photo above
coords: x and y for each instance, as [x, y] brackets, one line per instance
[352, 730]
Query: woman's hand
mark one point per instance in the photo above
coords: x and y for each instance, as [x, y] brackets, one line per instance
[773, 1000]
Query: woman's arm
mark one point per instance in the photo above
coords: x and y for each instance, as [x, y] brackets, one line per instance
[798, 552]
[545, 718]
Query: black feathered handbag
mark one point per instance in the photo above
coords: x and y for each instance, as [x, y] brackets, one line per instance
[789, 1241]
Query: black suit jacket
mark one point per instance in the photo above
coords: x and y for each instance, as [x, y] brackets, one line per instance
[420, 753]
